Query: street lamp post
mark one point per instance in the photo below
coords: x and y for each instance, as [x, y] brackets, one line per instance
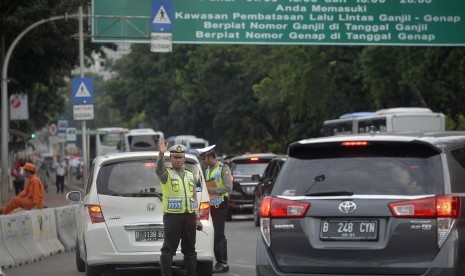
[4, 99]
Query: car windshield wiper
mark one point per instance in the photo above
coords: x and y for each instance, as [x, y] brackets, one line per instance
[331, 193]
[316, 179]
[322, 178]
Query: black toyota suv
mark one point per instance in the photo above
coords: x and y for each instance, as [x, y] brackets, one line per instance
[242, 169]
[374, 204]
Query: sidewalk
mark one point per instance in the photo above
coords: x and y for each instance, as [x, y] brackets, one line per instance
[52, 199]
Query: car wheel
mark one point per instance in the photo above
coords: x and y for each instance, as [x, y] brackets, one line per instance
[256, 213]
[205, 268]
[93, 270]
[80, 264]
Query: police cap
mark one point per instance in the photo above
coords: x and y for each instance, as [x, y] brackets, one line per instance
[178, 150]
[205, 151]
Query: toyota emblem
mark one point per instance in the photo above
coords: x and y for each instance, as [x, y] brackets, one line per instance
[347, 207]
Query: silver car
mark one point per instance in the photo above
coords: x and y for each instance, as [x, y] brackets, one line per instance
[372, 204]
[120, 220]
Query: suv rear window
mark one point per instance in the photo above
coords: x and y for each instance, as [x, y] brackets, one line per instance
[143, 142]
[380, 169]
[248, 168]
[134, 178]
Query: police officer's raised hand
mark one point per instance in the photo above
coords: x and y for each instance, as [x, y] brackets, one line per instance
[162, 148]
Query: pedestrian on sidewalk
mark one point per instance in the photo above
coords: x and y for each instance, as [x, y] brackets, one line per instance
[17, 173]
[60, 170]
[44, 174]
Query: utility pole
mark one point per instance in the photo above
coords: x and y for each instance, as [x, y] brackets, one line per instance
[4, 98]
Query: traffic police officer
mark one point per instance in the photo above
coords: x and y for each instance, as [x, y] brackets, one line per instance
[219, 183]
[179, 207]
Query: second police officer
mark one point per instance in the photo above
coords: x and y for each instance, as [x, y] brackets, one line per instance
[179, 207]
[219, 183]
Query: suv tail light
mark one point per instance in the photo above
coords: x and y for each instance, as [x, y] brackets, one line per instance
[204, 210]
[95, 213]
[432, 207]
[273, 207]
[443, 208]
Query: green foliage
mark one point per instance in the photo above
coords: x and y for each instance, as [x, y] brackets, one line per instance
[251, 98]
[42, 57]
[416, 76]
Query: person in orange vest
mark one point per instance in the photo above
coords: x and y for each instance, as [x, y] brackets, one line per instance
[32, 196]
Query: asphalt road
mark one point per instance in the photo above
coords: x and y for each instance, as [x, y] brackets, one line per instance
[241, 234]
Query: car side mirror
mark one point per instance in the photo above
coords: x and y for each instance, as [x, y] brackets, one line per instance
[256, 177]
[74, 196]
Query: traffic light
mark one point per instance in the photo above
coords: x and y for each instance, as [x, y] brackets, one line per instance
[33, 136]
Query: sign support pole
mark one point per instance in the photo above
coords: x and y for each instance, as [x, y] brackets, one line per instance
[85, 155]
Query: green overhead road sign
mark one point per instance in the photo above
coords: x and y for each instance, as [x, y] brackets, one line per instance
[289, 22]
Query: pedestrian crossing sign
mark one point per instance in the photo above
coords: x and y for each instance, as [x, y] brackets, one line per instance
[162, 16]
[82, 91]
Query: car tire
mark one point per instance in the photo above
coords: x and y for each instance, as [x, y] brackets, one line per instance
[205, 268]
[256, 213]
[93, 270]
[80, 264]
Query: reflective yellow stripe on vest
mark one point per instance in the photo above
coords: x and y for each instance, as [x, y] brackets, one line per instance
[215, 174]
[178, 193]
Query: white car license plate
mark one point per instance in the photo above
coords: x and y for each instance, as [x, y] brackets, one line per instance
[149, 235]
[349, 230]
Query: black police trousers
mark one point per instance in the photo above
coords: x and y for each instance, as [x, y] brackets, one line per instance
[220, 244]
[179, 228]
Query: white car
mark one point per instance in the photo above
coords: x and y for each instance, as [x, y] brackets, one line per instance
[120, 220]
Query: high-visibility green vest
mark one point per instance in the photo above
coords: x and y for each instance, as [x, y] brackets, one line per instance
[178, 193]
[215, 174]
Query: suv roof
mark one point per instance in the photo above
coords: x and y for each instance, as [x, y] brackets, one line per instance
[392, 200]
[439, 140]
